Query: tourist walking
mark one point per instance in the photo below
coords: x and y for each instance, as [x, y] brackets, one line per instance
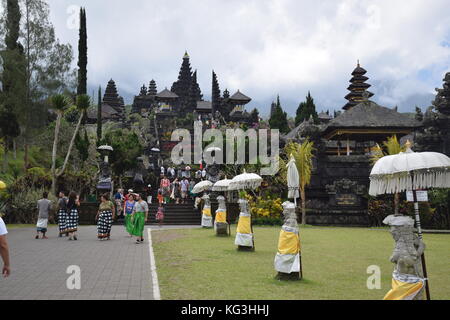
[4, 249]
[128, 210]
[72, 215]
[105, 216]
[44, 206]
[160, 215]
[160, 196]
[62, 214]
[119, 200]
[184, 189]
[165, 186]
[140, 216]
[176, 191]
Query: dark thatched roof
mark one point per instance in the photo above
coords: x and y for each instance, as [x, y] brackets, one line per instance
[204, 105]
[167, 94]
[239, 96]
[369, 115]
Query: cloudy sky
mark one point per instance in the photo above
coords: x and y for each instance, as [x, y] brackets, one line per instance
[268, 47]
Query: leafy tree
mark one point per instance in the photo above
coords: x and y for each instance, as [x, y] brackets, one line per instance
[254, 116]
[59, 103]
[82, 145]
[303, 155]
[82, 55]
[83, 103]
[126, 150]
[306, 110]
[48, 66]
[419, 114]
[99, 116]
[12, 78]
[279, 119]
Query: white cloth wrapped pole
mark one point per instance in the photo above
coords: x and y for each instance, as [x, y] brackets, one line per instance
[293, 180]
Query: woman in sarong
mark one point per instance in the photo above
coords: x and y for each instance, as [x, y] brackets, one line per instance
[140, 216]
[128, 210]
[105, 216]
[72, 215]
[62, 214]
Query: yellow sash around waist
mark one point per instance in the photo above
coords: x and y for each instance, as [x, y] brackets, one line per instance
[221, 216]
[207, 211]
[244, 225]
[403, 290]
[289, 243]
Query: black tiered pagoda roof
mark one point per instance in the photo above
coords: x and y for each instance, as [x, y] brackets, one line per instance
[369, 121]
[358, 88]
[167, 94]
[240, 97]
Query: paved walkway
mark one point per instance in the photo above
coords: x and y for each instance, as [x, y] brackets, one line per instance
[110, 270]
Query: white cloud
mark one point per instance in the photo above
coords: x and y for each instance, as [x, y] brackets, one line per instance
[267, 47]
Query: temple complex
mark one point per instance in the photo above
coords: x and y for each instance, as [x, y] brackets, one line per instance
[358, 88]
[190, 99]
[113, 106]
[340, 180]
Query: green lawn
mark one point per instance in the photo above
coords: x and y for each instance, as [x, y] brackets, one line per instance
[195, 264]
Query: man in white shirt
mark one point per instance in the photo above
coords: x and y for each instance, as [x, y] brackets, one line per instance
[4, 250]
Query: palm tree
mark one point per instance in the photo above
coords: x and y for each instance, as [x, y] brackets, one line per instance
[59, 103]
[83, 103]
[392, 147]
[303, 155]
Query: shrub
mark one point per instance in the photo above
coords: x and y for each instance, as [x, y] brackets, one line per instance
[22, 207]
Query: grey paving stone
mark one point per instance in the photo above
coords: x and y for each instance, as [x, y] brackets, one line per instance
[115, 269]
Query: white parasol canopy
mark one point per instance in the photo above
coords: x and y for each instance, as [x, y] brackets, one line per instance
[409, 171]
[105, 147]
[293, 180]
[245, 181]
[202, 186]
[221, 185]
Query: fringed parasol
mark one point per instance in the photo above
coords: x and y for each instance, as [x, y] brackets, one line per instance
[245, 181]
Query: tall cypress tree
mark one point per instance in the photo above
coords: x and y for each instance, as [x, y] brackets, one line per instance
[13, 78]
[215, 96]
[99, 115]
[279, 120]
[82, 55]
[306, 110]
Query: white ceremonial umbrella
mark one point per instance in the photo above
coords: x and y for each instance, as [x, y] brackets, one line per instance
[410, 171]
[293, 180]
[245, 181]
[202, 186]
[221, 186]
[215, 150]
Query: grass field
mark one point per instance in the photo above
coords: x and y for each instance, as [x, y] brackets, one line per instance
[195, 264]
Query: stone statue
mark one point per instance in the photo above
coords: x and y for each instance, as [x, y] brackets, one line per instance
[220, 223]
[407, 252]
[288, 258]
[206, 212]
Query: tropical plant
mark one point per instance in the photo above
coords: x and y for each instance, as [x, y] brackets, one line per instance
[391, 147]
[83, 103]
[303, 155]
[59, 103]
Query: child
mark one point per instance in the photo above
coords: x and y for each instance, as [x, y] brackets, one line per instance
[160, 215]
[160, 197]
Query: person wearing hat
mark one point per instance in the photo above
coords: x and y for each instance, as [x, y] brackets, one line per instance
[130, 191]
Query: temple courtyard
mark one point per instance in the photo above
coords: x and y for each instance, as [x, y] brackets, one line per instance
[192, 263]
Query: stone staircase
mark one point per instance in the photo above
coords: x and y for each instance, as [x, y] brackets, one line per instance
[177, 214]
